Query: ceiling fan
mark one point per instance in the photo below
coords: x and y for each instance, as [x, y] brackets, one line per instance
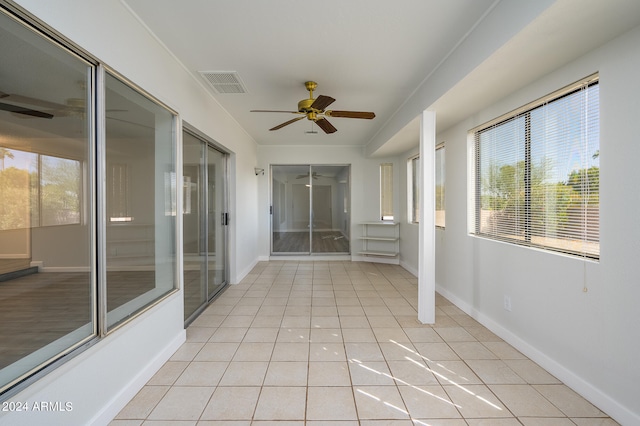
[314, 110]
[314, 175]
[22, 110]
[72, 107]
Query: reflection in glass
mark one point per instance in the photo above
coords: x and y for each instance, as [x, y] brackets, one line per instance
[311, 209]
[141, 261]
[46, 290]
[291, 188]
[330, 209]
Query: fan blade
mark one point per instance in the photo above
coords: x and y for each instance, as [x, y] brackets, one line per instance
[25, 111]
[324, 124]
[322, 102]
[32, 101]
[286, 123]
[351, 114]
[270, 110]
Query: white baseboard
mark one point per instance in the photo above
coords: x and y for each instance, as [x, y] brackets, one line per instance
[242, 274]
[409, 268]
[376, 259]
[61, 269]
[594, 395]
[118, 402]
[311, 258]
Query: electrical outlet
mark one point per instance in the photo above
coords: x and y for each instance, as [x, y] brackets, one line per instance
[507, 303]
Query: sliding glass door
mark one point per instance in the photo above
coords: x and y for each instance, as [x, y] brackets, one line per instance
[310, 209]
[204, 223]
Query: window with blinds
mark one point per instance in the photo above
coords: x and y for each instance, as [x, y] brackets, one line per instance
[414, 193]
[440, 186]
[386, 191]
[537, 173]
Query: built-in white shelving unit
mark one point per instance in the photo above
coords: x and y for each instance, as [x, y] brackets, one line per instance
[380, 239]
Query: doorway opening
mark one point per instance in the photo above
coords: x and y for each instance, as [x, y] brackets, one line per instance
[310, 206]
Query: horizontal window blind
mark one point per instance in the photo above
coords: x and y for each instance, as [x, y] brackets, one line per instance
[537, 175]
[440, 186]
[415, 189]
[386, 191]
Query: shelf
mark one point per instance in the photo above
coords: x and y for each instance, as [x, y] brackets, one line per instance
[381, 239]
[379, 253]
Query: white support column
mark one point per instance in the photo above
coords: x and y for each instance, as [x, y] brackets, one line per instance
[427, 246]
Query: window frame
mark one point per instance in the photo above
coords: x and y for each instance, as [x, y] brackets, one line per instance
[112, 320]
[440, 147]
[11, 386]
[413, 181]
[413, 197]
[475, 191]
[92, 194]
[386, 192]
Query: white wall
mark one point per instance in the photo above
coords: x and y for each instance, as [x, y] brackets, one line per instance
[365, 184]
[103, 378]
[590, 340]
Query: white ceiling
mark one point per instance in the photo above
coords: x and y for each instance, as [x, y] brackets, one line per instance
[370, 55]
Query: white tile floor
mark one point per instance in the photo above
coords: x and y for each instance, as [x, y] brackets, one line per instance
[338, 344]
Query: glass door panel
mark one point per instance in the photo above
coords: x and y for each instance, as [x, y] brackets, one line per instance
[330, 209]
[216, 221]
[195, 291]
[290, 206]
[310, 209]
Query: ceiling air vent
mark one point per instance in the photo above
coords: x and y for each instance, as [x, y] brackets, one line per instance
[224, 81]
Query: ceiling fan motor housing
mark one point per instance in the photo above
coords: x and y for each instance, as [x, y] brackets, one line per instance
[305, 105]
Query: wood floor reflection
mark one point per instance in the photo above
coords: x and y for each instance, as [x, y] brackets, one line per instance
[298, 242]
[40, 308]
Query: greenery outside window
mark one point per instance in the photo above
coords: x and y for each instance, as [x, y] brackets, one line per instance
[414, 188]
[537, 173]
[47, 187]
